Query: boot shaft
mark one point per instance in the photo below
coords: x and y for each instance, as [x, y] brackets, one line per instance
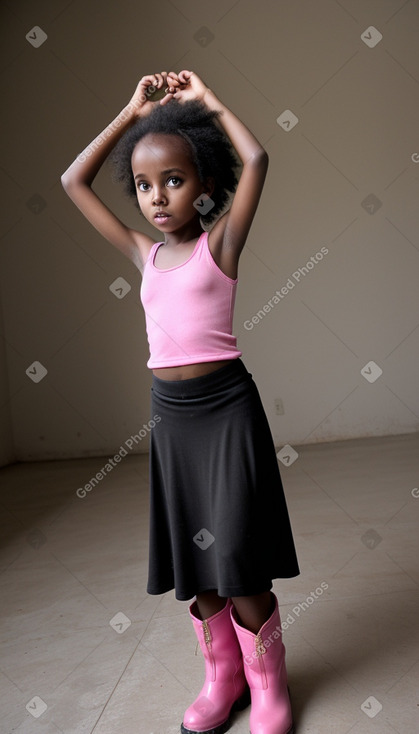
[225, 688]
[266, 674]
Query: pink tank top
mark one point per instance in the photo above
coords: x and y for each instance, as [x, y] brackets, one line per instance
[188, 310]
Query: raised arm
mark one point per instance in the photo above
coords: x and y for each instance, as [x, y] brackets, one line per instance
[78, 178]
[230, 232]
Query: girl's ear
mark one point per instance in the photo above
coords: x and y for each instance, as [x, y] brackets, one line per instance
[209, 185]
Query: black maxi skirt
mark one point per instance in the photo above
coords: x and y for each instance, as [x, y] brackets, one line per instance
[218, 516]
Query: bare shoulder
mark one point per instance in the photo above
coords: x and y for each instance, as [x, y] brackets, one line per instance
[142, 248]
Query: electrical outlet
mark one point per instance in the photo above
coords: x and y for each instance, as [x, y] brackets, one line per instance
[279, 407]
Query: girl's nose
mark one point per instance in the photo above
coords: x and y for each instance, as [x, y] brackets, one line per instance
[158, 196]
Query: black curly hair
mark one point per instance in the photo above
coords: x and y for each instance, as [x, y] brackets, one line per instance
[211, 150]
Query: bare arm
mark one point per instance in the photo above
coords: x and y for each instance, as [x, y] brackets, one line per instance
[228, 236]
[78, 178]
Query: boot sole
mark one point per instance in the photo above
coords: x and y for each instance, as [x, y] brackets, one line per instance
[290, 731]
[238, 705]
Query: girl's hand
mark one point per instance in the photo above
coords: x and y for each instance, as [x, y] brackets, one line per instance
[141, 103]
[186, 86]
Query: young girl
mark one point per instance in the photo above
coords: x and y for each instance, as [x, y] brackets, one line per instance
[219, 526]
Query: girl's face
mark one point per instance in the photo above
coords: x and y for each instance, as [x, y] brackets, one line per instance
[167, 181]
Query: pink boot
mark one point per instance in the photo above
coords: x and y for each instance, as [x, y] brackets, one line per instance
[225, 686]
[264, 667]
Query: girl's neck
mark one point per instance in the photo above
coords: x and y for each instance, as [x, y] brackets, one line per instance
[184, 236]
[171, 240]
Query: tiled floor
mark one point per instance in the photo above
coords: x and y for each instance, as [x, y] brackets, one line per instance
[72, 567]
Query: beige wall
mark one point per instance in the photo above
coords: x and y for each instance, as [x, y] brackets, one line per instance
[358, 111]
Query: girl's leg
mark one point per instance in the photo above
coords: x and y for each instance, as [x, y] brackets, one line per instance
[209, 603]
[254, 611]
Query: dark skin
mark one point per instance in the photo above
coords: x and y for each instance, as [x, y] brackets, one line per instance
[253, 611]
[173, 192]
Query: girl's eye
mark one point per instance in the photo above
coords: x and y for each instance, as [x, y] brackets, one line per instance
[174, 181]
[142, 186]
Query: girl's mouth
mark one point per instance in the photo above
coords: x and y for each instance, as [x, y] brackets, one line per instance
[161, 217]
